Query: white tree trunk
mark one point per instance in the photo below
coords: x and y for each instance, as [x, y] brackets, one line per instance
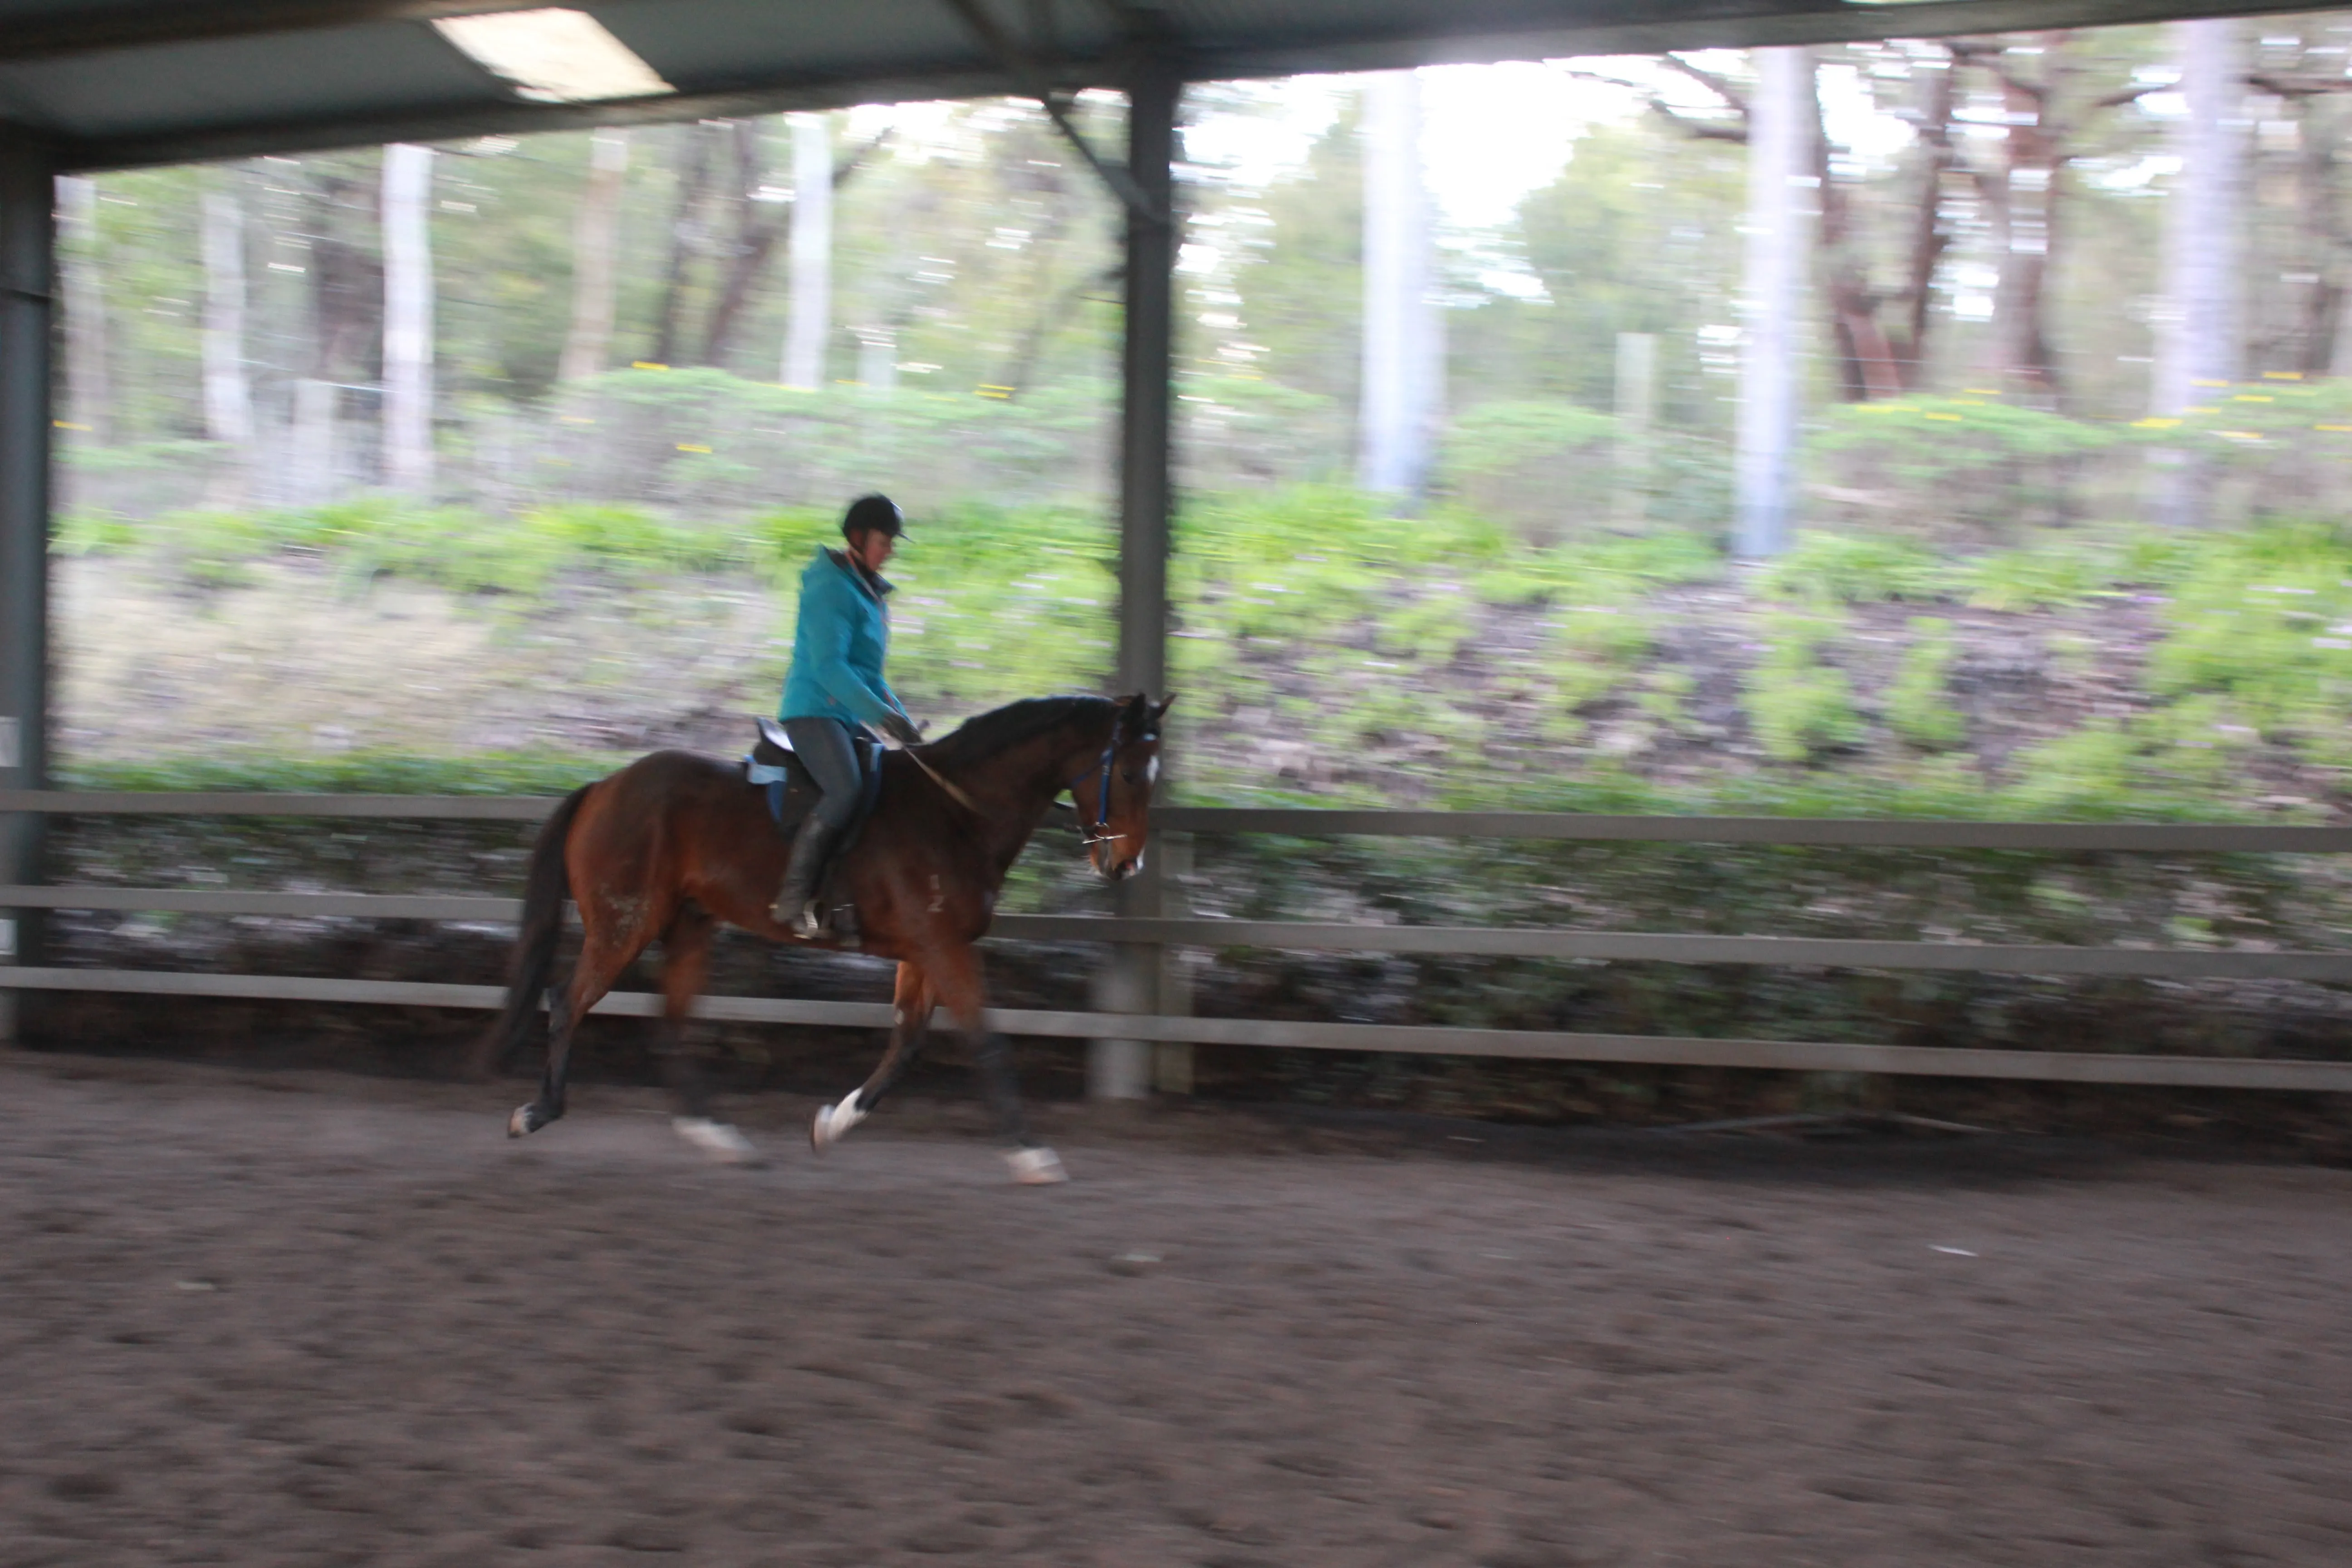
[228, 394]
[1779, 213]
[407, 319]
[2199, 327]
[88, 390]
[1403, 352]
[2201, 333]
[596, 254]
[812, 251]
[311, 472]
[877, 359]
[1637, 407]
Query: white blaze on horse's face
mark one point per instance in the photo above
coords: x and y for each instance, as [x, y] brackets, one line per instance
[1117, 851]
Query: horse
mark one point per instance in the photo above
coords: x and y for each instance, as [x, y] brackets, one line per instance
[676, 843]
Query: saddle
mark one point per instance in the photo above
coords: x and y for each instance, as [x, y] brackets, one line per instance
[772, 765]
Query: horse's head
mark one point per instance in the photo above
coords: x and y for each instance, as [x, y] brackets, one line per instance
[1113, 795]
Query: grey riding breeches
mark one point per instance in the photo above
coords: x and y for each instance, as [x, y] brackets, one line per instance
[827, 749]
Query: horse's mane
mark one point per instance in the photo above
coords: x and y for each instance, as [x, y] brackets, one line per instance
[984, 735]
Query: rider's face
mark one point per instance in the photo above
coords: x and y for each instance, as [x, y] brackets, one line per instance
[872, 547]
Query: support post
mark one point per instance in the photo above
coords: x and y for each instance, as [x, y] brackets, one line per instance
[28, 318]
[1122, 1069]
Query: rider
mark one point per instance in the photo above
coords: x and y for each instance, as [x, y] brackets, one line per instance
[835, 683]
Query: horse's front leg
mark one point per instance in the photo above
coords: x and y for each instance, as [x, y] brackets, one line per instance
[955, 971]
[910, 1022]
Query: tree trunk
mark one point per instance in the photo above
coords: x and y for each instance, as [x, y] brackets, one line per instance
[685, 237]
[2198, 344]
[89, 391]
[228, 394]
[757, 226]
[1866, 367]
[2200, 348]
[2035, 160]
[2323, 234]
[1772, 287]
[812, 304]
[1402, 356]
[407, 319]
[1637, 410]
[595, 257]
[1929, 234]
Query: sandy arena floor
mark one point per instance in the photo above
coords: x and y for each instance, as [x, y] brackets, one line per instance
[315, 1320]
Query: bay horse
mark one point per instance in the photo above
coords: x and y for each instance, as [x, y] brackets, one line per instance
[676, 843]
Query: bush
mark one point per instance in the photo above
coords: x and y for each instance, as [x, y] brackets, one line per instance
[1552, 470]
[1927, 463]
[1827, 569]
[2264, 618]
[1917, 708]
[1547, 467]
[1799, 708]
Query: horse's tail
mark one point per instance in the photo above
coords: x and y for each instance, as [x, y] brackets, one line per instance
[550, 883]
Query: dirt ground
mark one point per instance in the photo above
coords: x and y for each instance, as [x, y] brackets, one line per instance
[295, 1318]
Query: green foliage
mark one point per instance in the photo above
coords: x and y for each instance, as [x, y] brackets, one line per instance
[82, 531]
[1638, 234]
[2264, 618]
[1305, 253]
[528, 772]
[1800, 709]
[1828, 569]
[2054, 577]
[1973, 461]
[1916, 707]
[1548, 467]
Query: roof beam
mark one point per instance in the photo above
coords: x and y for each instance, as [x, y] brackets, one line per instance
[1033, 83]
[1661, 26]
[88, 30]
[1567, 28]
[517, 118]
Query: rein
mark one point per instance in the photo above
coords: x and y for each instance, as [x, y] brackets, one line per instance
[1096, 832]
[933, 774]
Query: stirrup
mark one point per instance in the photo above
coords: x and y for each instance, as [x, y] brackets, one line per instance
[807, 922]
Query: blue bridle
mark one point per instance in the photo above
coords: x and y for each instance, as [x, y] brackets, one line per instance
[1098, 830]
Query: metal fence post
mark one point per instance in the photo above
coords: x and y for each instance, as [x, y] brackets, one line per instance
[1121, 1069]
[27, 318]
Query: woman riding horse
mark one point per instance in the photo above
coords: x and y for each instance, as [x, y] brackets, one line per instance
[835, 684]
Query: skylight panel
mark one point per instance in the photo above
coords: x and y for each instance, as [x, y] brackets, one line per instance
[553, 56]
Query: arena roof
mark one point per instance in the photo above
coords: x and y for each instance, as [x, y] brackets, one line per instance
[116, 83]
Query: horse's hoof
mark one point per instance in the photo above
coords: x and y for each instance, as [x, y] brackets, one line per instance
[833, 1122]
[521, 1122]
[1039, 1167]
[722, 1144]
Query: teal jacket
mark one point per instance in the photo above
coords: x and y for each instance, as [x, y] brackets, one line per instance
[838, 647]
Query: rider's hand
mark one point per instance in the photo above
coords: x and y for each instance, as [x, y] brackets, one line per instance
[903, 730]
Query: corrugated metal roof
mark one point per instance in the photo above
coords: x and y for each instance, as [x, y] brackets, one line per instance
[116, 82]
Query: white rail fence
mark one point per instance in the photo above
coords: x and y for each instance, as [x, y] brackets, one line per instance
[2215, 1072]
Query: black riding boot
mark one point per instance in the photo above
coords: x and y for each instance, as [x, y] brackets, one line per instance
[794, 900]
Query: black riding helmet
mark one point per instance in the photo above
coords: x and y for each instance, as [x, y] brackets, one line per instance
[877, 513]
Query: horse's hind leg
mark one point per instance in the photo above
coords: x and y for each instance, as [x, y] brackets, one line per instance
[686, 965]
[956, 972]
[910, 1022]
[603, 956]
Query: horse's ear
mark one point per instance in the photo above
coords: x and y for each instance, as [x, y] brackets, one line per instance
[1134, 710]
[1160, 712]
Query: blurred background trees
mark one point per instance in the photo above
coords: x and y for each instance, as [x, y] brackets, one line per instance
[2088, 225]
